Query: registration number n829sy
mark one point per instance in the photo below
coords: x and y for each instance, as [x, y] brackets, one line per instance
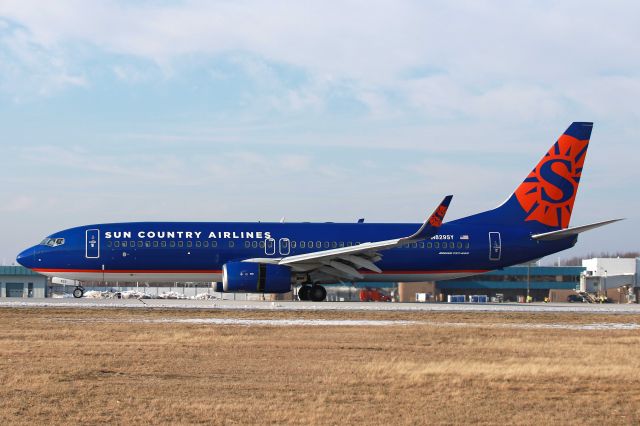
[442, 237]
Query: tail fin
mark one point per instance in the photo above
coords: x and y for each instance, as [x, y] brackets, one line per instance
[545, 199]
[548, 193]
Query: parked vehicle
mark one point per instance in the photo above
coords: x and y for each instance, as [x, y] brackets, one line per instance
[575, 298]
[373, 295]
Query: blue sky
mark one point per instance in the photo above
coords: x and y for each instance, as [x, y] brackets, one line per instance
[251, 110]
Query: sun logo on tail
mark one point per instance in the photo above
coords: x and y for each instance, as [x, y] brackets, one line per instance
[548, 193]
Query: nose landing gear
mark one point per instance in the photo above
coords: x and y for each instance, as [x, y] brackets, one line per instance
[314, 293]
[78, 292]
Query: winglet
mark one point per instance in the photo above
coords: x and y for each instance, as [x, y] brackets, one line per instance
[430, 226]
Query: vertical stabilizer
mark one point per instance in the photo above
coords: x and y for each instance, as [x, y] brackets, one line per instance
[549, 191]
[544, 200]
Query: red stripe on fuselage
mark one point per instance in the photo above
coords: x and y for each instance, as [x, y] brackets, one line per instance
[134, 271]
[218, 271]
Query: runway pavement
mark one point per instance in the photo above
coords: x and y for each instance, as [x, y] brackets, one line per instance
[319, 306]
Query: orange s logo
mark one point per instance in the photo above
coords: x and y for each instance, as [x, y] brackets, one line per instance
[548, 193]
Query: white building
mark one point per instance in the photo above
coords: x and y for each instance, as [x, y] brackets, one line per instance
[607, 275]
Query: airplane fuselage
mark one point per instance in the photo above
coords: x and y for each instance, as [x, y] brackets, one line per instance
[196, 251]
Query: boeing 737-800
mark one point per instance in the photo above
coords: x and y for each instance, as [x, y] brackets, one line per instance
[273, 257]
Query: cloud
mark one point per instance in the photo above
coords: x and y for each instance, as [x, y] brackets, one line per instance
[28, 69]
[18, 203]
[517, 60]
[326, 110]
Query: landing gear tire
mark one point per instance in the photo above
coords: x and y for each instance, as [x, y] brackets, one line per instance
[317, 293]
[303, 293]
[78, 292]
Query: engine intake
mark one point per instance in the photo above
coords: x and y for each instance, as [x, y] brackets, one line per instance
[255, 278]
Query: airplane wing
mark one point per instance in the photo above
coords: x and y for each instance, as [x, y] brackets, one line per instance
[344, 262]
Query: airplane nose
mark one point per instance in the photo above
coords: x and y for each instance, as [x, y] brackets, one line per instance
[26, 257]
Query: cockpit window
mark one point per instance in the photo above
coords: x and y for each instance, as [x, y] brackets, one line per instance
[52, 242]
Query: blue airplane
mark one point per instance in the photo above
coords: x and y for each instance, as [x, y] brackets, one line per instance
[274, 257]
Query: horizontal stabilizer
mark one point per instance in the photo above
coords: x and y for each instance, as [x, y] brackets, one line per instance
[564, 233]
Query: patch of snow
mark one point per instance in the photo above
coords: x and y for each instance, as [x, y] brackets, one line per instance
[298, 322]
[172, 295]
[61, 296]
[107, 301]
[279, 322]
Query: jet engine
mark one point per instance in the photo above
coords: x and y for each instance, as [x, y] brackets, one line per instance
[255, 278]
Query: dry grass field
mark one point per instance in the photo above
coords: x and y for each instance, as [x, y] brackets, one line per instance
[68, 366]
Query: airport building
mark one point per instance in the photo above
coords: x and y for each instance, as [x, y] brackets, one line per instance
[511, 284]
[616, 278]
[18, 281]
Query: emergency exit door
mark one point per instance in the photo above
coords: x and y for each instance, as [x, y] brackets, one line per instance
[495, 246]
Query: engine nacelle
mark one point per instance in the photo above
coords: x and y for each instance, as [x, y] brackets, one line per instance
[255, 277]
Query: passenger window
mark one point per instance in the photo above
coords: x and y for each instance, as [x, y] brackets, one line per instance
[180, 243]
[302, 244]
[326, 244]
[163, 244]
[156, 244]
[310, 244]
[198, 244]
[293, 244]
[205, 244]
[247, 244]
[452, 245]
[436, 245]
[254, 244]
[414, 245]
[349, 244]
[318, 244]
[231, 243]
[429, 245]
[334, 244]
[214, 243]
[189, 244]
[124, 244]
[466, 245]
[172, 243]
[459, 245]
[116, 244]
[147, 243]
[421, 244]
[132, 243]
[108, 243]
[139, 243]
[261, 244]
[341, 244]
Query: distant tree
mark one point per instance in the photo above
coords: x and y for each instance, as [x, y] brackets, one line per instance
[577, 260]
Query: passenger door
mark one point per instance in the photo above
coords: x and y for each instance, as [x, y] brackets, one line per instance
[495, 246]
[92, 244]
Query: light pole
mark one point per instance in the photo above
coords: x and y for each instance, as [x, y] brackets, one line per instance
[528, 280]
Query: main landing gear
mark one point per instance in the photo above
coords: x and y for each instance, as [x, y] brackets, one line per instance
[78, 292]
[314, 293]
